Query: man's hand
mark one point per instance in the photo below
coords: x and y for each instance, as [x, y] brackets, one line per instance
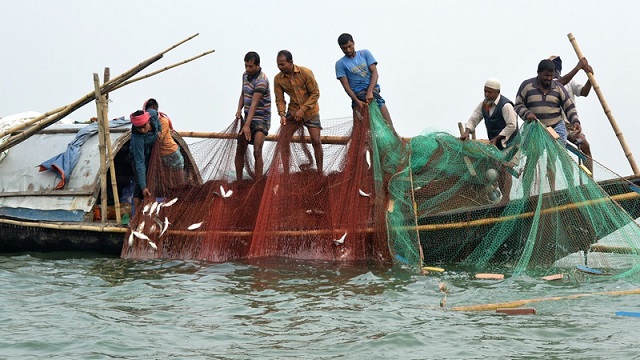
[577, 127]
[369, 97]
[238, 114]
[497, 140]
[465, 136]
[283, 120]
[246, 130]
[531, 117]
[299, 115]
[146, 193]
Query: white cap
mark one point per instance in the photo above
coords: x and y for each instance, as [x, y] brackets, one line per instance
[492, 83]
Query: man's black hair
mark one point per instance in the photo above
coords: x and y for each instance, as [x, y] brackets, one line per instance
[151, 104]
[287, 55]
[344, 38]
[252, 56]
[546, 65]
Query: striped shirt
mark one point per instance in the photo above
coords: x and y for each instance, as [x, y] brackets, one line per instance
[302, 88]
[548, 107]
[258, 83]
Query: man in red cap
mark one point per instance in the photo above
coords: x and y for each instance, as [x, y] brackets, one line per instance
[144, 134]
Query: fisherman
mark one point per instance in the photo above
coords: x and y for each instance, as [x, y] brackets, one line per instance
[358, 74]
[574, 89]
[545, 99]
[299, 83]
[144, 134]
[542, 98]
[255, 97]
[169, 149]
[501, 121]
[153, 104]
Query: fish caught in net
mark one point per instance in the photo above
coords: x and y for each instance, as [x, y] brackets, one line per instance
[431, 199]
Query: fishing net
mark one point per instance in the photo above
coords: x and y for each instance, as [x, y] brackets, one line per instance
[293, 211]
[428, 200]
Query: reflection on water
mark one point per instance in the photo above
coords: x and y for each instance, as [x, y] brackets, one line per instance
[87, 306]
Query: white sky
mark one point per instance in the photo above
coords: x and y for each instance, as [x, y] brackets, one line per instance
[434, 56]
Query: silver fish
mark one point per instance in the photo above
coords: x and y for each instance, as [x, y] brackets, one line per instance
[194, 226]
[131, 239]
[367, 157]
[225, 194]
[341, 240]
[153, 245]
[364, 193]
[166, 225]
[140, 235]
[170, 202]
[145, 209]
[140, 226]
[153, 207]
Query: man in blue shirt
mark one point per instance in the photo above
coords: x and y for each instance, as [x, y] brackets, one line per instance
[358, 75]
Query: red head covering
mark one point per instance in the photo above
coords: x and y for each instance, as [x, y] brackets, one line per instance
[139, 120]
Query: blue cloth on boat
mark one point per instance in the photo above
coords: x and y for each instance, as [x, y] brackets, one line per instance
[63, 163]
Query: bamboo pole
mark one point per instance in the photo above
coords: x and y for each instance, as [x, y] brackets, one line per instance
[102, 148]
[79, 227]
[107, 138]
[606, 109]
[518, 303]
[107, 87]
[162, 70]
[19, 127]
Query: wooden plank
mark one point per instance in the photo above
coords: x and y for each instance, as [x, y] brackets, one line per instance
[553, 277]
[488, 276]
[516, 311]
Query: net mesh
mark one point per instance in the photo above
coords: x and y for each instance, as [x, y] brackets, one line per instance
[428, 200]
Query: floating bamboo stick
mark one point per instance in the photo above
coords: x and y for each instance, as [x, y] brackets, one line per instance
[606, 109]
[518, 303]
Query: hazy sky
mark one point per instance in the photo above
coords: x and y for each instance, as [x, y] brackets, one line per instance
[434, 56]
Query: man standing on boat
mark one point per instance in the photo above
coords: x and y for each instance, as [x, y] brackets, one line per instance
[255, 97]
[299, 83]
[544, 99]
[498, 114]
[575, 89]
[501, 121]
[358, 74]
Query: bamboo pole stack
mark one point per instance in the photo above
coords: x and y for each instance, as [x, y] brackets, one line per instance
[23, 131]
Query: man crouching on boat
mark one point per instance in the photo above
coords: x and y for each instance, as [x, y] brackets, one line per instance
[144, 134]
[501, 121]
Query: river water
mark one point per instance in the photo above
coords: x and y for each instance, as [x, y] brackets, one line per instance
[87, 306]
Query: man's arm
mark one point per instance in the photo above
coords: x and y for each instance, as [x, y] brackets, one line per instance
[240, 105]
[521, 104]
[474, 120]
[246, 129]
[511, 119]
[345, 84]
[278, 91]
[373, 69]
[314, 93]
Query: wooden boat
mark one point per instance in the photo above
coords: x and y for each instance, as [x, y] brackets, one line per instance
[35, 216]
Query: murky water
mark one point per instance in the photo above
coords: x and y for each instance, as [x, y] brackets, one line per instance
[79, 306]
